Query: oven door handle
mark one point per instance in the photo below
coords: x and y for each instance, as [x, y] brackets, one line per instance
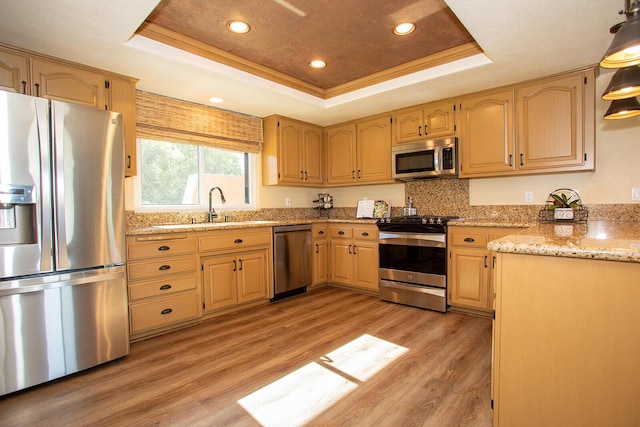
[413, 239]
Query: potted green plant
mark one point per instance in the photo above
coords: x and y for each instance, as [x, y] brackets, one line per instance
[563, 205]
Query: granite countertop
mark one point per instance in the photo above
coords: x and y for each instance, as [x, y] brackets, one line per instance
[220, 225]
[603, 240]
[472, 222]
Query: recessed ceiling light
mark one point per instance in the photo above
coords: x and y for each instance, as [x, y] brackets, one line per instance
[238, 27]
[317, 63]
[215, 100]
[404, 29]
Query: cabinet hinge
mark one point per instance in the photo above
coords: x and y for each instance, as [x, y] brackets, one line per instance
[106, 84]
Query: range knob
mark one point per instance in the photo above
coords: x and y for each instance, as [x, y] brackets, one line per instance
[439, 221]
[432, 220]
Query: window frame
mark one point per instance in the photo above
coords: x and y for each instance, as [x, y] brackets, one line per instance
[251, 184]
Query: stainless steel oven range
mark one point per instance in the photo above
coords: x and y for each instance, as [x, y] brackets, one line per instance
[413, 261]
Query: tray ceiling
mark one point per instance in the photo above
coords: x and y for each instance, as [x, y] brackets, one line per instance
[354, 37]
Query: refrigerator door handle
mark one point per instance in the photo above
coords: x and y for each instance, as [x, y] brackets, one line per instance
[45, 221]
[38, 284]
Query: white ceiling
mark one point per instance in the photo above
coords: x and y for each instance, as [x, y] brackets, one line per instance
[522, 39]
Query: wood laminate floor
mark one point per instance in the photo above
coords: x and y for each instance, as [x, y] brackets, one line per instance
[326, 358]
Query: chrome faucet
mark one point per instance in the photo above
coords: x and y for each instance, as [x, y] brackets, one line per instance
[212, 213]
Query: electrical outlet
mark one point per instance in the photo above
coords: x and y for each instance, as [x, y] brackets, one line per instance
[287, 201]
[528, 196]
[635, 194]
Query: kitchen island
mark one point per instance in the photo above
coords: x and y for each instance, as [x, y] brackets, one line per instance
[566, 333]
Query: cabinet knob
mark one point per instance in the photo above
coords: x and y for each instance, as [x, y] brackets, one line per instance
[166, 311]
[164, 248]
[165, 287]
[317, 248]
[469, 239]
[321, 232]
[365, 234]
[164, 267]
[341, 232]
[24, 87]
[237, 241]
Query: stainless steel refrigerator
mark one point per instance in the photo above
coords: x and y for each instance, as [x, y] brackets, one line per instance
[63, 294]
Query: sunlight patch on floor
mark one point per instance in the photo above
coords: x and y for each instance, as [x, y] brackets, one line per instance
[298, 397]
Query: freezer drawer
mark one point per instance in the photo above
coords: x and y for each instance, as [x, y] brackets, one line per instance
[50, 329]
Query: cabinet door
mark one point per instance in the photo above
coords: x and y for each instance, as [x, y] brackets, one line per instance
[253, 275]
[374, 150]
[342, 262]
[486, 135]
[439, 119]
[289, 152]
[123, 100]
[341, 155]
[366, 265]
[550, 124]
[407, 126]
[320, 258]
[469, 281]
[313, 155]
[14, 72]
[219, 281]
[65, 83]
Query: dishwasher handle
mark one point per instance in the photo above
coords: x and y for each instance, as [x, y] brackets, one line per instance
[294, 227]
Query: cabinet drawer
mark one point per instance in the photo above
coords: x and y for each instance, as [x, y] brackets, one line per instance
[147, 249]
[320, 231]
[339, 232]
[475, 240]
[160, 268]
[162, 287]
[162, 312]
[232, 239]
[365, 233]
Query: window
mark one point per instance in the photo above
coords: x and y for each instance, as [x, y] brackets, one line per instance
[178, 177]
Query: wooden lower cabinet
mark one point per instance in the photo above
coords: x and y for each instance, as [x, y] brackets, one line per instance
[235, 273]
[470, 267]
[354, 256]
[320, 254]
[164, 290]
[566, 342]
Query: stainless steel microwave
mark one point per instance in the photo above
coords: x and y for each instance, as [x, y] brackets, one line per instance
[436, 158]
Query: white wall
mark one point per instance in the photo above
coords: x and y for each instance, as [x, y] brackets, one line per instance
[617, 167]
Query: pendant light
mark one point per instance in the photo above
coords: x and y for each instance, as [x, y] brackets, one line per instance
[625, 83]
[624, 50]
[623, 109]
[624, 53]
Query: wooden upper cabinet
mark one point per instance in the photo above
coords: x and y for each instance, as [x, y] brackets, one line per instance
[293, 152]
[313, 154]
[373, 150]
[433, 120]
[290, 152]
[555, 124]
[14, 72]
[341, 154]
[553, 121]
[486, 134]
[66, 83]
[122, 99]
[359, 152]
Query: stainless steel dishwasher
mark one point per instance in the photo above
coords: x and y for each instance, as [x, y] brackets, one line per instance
[291, 260]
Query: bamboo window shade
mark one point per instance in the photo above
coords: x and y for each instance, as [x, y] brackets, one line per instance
[173, 120]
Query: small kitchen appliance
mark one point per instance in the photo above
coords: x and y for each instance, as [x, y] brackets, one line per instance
[436, 158]
[324, 204]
